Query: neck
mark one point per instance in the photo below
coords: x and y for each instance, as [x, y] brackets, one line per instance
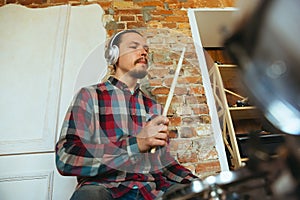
[128, 80]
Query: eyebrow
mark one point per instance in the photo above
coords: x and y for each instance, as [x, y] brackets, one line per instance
[137, 43]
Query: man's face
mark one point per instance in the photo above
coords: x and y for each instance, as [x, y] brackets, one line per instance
[133, 56]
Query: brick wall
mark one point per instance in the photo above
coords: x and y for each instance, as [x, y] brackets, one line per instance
[166, 26]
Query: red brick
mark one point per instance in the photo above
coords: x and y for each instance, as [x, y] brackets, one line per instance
[182, 13]
[173, 133]
[127, 12]
[212, 166]
[171, 1]
[175, 100]
[201, 109]
[160, 90]
[169, 25]
[183, 110]
[195, 99]
[180, 144]
[161, 99]
[188, 5]
[134, 25]
[180, 90]
[212, 154]
[193, 79]
[188, 120]
[150, 3]
[155, 82]
[121, 26]
[183, 26]
[139, 18]
[202, 99]
[162, 12]
[177, 19]
[157, 18]
[127, 18]
[10, 1]
[196, 90]
[168, 81]
[28, 2]
[187, 132]
[158, 73]
[175, 121]
[175, 6]
[187, 157]
[122, 4]
[191, 99]
[174, 147]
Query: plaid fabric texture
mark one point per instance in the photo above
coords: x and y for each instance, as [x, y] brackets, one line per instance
[98, 142]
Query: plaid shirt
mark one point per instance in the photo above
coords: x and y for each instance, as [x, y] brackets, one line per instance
[98, 142]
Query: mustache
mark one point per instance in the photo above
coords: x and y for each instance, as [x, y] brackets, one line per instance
[141, 60]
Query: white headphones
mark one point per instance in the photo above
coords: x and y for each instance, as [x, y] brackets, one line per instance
[112, 52]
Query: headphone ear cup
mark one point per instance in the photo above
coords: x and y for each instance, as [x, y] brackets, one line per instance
[112, 55]
[115, 54]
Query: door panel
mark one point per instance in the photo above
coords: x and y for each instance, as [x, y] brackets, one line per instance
[29, 78]
[47, 54]
[26, 176]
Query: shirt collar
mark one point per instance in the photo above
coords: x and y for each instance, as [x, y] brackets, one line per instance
[121, 85]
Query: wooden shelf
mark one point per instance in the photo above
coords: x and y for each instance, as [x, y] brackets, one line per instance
[228, 89]
[247, 112]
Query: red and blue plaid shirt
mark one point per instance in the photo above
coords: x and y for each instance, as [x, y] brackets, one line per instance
[98, 142]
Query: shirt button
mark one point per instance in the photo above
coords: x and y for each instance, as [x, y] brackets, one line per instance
[135, 187]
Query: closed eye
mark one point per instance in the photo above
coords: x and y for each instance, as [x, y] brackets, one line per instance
[135, 45]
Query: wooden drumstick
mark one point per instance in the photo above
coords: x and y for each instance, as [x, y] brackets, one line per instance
[170, 95]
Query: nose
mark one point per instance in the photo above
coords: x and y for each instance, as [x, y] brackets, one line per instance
[144, 52]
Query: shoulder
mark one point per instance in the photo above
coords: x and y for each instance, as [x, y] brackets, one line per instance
[96, 88]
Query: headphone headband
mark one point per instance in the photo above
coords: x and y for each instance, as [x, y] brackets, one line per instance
[112, 52]
[114, 37]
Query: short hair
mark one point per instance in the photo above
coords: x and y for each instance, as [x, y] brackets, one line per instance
[116, 39]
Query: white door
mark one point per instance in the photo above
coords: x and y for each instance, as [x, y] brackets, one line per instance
[46, 55]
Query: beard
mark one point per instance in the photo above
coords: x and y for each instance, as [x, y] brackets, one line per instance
[138, 73]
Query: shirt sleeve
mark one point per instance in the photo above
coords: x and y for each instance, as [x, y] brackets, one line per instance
[176, 172]
[82, 150]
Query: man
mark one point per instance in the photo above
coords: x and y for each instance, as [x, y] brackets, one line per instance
[110, 128]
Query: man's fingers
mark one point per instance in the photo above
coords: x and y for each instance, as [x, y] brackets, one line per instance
[161, 136]
[162, 128]
[160, 120]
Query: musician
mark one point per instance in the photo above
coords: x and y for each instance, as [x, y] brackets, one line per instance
[110, 128]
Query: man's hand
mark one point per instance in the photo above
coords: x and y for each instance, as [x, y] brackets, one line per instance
[154, 134]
